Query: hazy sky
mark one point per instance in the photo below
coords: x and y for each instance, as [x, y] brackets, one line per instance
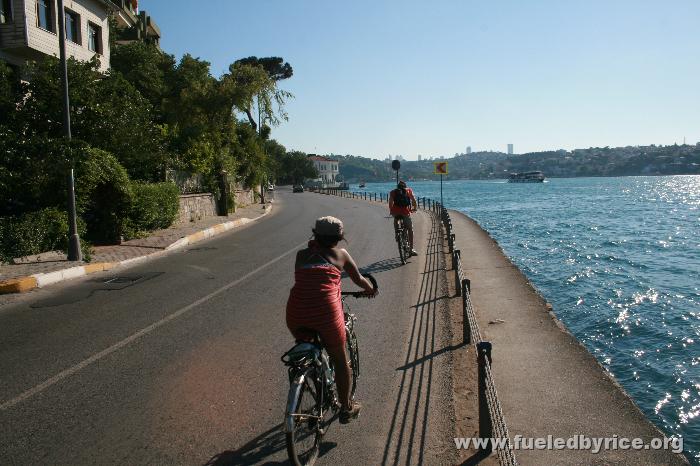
[377, 77]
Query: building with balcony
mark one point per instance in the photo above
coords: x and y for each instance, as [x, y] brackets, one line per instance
[329, 175]
[134, 24]
[29, 30]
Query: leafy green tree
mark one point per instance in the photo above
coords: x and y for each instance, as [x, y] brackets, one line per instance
[107, 112]
[276, 67]
[148, 69]
[251, 88]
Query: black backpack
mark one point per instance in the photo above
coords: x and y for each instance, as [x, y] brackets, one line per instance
[401, 198]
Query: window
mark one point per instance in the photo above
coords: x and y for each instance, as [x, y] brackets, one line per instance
[94, 38]
[45, 15]
[73, 26]
[5, 11]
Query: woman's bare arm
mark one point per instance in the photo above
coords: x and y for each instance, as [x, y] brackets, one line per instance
[354, 273]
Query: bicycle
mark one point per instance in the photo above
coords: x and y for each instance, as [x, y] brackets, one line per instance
[402, 241]
[312, 391]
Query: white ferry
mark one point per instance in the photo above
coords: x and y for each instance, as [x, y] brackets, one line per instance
[526, 177]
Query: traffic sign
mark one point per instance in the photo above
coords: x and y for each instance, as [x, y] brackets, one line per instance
[440, 168]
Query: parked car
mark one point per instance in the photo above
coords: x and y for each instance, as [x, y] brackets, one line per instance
[270, 187]
[297, 188]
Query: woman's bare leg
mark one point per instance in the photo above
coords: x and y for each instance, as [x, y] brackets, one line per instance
[342, 374]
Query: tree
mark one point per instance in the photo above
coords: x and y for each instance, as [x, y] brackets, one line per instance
[148, 69]
[251, 85]
[275, 67]
[296, 167]
[107, 112]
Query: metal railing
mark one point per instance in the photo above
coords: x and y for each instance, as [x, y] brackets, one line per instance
[491, 420]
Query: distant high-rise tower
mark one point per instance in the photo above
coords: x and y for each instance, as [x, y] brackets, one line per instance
[420, 157]
[469, 149]
[510, 149]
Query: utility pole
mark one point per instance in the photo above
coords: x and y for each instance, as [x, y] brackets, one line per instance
[74, 251]
[260, 130]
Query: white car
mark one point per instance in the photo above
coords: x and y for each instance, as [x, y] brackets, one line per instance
[270, 187]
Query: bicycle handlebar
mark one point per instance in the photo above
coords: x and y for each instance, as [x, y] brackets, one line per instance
[362, 294]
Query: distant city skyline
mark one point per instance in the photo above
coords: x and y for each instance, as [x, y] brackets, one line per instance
[380, 78]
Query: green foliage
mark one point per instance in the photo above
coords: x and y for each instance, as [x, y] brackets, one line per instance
[275, 67]
[33, 172]
[146, 68]
[153, 206]
[295, 167]
[103, 195]
[107, 112]
[35, 232]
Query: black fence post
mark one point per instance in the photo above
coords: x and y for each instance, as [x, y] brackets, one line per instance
[466, 327]
[456, 264]
[485, 425]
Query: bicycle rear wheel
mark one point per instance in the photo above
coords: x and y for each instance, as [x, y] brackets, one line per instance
[399, 242]
[304, 423]
[406, 244]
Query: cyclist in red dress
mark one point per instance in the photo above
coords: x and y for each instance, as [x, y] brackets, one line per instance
[315, 305]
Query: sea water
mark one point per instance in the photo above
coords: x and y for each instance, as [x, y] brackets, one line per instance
[619, 259]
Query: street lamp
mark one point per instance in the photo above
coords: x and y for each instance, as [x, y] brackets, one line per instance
[74, 251]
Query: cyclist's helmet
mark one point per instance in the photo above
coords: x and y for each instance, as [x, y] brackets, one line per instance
[401, 185]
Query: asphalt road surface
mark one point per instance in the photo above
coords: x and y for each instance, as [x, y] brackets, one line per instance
[176, 360]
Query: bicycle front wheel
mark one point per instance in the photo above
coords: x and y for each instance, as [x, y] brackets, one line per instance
[304, 422]
[354, 356]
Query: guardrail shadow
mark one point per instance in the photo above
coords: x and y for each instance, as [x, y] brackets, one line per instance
[406, 439]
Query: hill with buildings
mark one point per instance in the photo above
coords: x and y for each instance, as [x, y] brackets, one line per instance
[595, 161]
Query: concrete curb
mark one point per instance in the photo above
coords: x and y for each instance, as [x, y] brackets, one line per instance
[40, 280]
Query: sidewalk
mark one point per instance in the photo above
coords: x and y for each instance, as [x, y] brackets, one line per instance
[52, 267]
[548, 383]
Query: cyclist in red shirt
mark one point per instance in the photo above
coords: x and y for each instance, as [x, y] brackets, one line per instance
[401, 204]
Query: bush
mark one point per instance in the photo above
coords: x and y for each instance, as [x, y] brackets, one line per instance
[104, 196]
[36, 232]
[153, 206]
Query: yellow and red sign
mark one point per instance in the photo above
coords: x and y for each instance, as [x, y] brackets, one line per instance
[440, 168]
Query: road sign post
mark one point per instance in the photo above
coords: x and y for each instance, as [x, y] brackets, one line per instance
[440, 169]
[396, 165]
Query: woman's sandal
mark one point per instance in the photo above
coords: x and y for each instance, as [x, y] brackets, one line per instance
[346, 415]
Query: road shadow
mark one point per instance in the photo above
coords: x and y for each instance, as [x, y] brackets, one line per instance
[476, 458]
[383, 265]
[408, 431]
[260, 449]
[427, 357]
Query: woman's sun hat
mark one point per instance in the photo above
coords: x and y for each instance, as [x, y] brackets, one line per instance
[328, 226]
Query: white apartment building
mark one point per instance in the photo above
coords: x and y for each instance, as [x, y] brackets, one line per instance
[29, 29]
[327, 170]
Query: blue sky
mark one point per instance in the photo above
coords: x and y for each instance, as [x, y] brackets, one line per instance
[378, 78]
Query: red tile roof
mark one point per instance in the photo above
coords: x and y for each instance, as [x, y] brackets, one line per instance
[320, 158]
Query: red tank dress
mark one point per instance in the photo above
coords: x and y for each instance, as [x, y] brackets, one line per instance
[314, 303]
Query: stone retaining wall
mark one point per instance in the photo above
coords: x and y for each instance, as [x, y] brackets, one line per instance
[195, 207]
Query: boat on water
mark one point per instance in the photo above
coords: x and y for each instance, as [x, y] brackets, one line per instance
[526, 177]
[362, 184]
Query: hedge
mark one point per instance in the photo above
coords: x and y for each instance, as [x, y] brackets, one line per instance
[104, 197]
[153, 206]
[36, 232]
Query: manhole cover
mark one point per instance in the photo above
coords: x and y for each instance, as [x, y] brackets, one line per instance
[82, 291]
[120, 280]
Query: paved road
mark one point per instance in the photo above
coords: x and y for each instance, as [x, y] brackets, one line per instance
[176, 361]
